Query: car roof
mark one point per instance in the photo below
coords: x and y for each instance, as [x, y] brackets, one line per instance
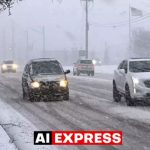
[42, 59]
[139, 59]
[10, 61]
[85, 59]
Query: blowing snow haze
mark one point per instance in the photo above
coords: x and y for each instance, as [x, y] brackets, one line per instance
[63, 24]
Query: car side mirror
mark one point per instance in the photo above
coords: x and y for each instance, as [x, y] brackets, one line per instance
[67, 71]
[122, 71]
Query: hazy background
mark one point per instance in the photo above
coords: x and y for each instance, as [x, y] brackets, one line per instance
[21, 34]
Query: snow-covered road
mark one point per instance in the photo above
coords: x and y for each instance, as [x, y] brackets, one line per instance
[91, 107]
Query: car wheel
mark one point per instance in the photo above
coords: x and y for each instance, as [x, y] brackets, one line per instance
[2, 71]
[66, 97]
[116, 95]
[92, 73]
[23, 94]
[129, 100]
[29, 96]
[74, 73]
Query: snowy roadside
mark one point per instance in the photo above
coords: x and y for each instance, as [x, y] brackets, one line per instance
[104, 69]
[19, 129]
[5, 142]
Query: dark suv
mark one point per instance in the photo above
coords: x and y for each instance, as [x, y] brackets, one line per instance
[45, 79]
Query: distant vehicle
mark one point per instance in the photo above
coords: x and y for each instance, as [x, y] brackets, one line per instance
[9, 66]
[132, 80]
[83, 67]
[45, 78]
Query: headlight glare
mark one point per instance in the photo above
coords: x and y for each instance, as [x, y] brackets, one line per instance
[14, 66]
[4, 66]
[63, 83]
[35, 84]
[135, 80]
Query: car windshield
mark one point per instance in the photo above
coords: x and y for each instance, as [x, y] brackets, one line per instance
[86, 61]
[139, 66]
[8, 62]
[47, 67]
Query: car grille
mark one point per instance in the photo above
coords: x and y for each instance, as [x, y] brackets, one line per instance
[147, 83]
[50, 85]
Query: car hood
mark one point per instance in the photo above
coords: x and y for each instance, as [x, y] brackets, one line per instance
[46, 78]
[142, 75]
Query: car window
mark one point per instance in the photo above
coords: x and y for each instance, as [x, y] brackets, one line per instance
[26, 69]
[8, 62]
[85, 61]
[125, 66]
[46, 67]
[139, 66]
[121, 65]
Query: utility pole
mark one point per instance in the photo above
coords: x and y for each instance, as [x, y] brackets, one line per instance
[87, 26]
[129, 22]
[27, 44]
[13, 41]
[87, 30]
[4, 42]
[43, 32]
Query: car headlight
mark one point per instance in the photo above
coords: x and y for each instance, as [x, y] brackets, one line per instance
[135, 81]
[63, 83]
[4, 66]
[14, 66]
[35, 84]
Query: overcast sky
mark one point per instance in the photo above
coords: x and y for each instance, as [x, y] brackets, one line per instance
[65, 24]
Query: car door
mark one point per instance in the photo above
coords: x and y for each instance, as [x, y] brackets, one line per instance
[123, 75]
[25, 77]
[118, 75]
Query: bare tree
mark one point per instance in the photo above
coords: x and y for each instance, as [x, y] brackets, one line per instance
[4, 4]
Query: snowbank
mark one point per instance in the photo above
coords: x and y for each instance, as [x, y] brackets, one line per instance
[104, 69]
[109, 69]
[5, 142]
[18, 128]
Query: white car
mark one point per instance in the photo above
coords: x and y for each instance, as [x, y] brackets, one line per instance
[132, 80]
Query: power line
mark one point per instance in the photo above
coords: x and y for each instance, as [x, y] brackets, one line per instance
[123, 23]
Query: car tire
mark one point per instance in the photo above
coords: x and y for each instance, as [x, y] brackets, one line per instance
[66, 97]
[23, 94]
[29, 96]
[74, 73]
[116, 95]
[129, 100]
[92, 73]
[2, 71]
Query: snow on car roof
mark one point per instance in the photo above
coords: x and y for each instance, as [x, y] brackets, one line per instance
[139, 59]
[43, 59]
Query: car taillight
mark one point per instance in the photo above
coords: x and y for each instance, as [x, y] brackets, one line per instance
[79, 66]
